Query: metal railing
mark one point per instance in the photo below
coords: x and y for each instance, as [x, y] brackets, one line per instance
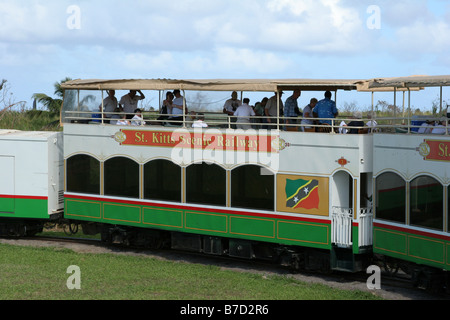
[337, 125]
[341, 227]
[365, 237]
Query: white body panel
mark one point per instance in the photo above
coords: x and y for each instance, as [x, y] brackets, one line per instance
[32, 166]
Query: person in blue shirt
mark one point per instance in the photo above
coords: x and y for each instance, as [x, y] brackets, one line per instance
[325, 108]
[291, 109]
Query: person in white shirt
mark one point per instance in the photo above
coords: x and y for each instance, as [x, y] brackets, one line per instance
[123, 120]
[307, 114]
[137, 119]
[243, 113]
[199, 123]
[129, 102]
[178, 104]
[426, 127]
[109, 105]
[231, 106]
[439, 128]
[372, 123]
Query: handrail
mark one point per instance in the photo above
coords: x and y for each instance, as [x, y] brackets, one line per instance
[402, 125]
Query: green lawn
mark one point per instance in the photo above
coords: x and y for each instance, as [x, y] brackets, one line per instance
[41, 273]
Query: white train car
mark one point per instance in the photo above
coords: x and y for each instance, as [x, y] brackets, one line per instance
[31, 180]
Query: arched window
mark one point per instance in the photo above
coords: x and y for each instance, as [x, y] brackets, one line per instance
[391, 197]
[162, 181]
[426, 203]
[121, 177]
[83, 174]
[206, 184]
[252, 187]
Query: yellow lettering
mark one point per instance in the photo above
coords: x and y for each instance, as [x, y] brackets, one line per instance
[137, 137]
[443, 150]
[155, 138]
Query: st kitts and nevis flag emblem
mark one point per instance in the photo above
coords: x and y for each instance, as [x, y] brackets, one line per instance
[302, 194]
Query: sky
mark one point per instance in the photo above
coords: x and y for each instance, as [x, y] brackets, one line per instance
[45, 41]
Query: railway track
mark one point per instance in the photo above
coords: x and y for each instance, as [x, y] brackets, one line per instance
[392, 287]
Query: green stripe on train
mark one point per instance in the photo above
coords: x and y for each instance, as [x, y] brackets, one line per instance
[222, 224]
[412, 247]
[24, 208]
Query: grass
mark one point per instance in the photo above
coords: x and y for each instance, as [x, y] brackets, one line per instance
[31, 120]
[28, 273]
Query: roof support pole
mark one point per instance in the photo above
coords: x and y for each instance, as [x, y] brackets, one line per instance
[278, 110]
[395, 102]
[372, 103]
[103, 108]
[409, 110]
[184, 108]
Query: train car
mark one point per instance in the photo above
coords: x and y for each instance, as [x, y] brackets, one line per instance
[299, 198]
[31, 175]
[411, 175]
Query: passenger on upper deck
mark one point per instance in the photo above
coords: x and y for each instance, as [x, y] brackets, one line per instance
[123, 120]
[166, 108]
[259, 112]
[200, 122]
[291, 109]
[326, 108]
[307, 114]
[129, 102]
[109, 105]
[231, 106]
[271, 108]
[439, 128]
[243, 113]
[115, 116]
[357, 122]
[178, 105]
[426, 127]
[137, 119]
[372, 123]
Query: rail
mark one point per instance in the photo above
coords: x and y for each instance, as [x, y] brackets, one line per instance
[365, 237]
[400, 125]
[341, 227]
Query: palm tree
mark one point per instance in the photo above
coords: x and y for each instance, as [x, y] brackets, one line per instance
[53, 105]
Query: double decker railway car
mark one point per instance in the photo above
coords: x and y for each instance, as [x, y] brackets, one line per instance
[411, 196]
[312, 200]
[270, 194]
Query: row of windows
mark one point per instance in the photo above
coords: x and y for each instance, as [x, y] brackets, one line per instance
[426, 201]
[162, 180]
[250, 188]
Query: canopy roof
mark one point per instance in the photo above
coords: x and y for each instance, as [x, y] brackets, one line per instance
[409, 82]
[266, 85]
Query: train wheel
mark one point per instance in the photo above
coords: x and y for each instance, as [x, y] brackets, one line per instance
[390, 266]
[70, 228]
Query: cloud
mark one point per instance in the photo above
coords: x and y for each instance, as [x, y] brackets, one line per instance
[232, 38]
[312, 26]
